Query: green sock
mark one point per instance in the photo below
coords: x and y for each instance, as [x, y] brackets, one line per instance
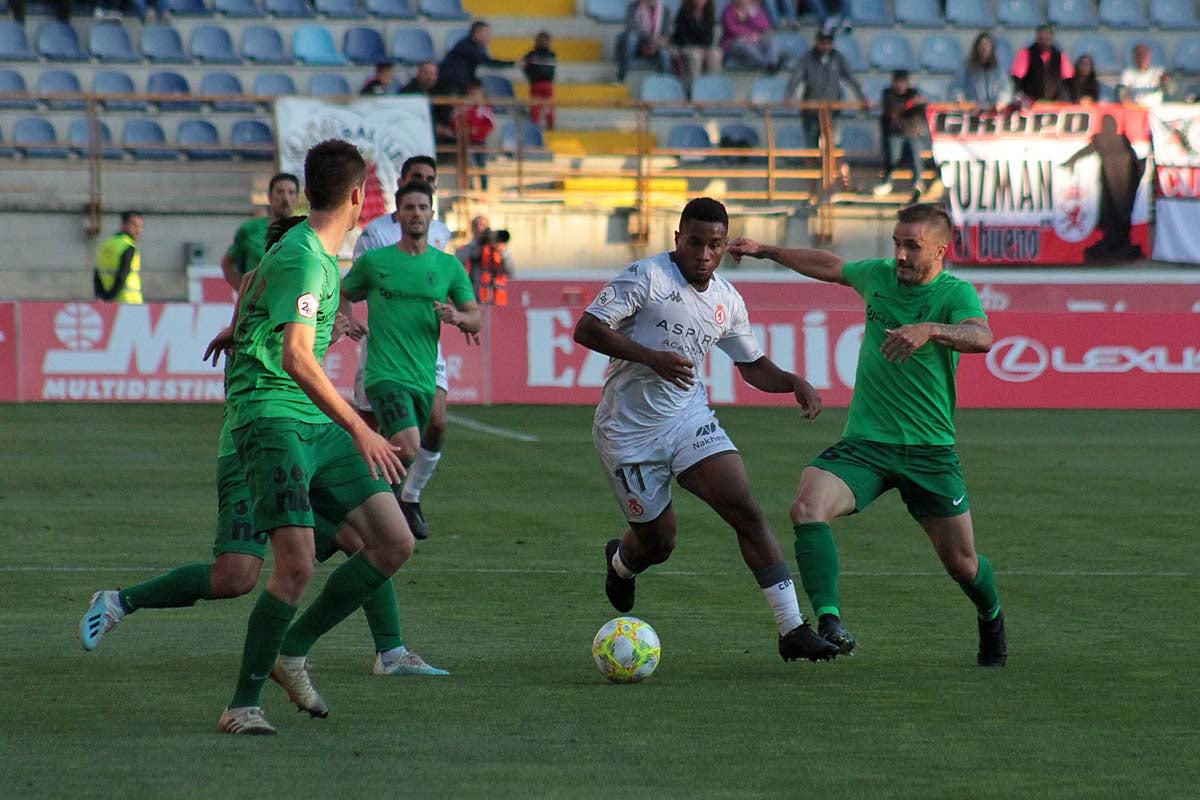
[383, 617]
[265, 630]
[817, 560]
[982, 590]
[180, 587]
[347, 588]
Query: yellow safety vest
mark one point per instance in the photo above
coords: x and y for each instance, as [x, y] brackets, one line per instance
[108, 262]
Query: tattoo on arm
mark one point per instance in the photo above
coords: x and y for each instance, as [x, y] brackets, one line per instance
[968, 336]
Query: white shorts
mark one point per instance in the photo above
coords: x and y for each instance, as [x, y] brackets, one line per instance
[360, 392]
[640, 472]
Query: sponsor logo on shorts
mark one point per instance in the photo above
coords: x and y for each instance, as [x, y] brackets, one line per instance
[635, 508]
[307, 305]
[607, 296]
[958, 501]
[706, 430]
[719, 314]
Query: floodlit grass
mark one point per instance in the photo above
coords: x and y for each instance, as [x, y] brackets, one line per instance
[1089, 517]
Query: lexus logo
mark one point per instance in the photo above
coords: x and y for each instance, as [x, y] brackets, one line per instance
[1018, 360]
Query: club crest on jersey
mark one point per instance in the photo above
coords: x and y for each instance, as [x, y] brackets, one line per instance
[307, 305]
[607, 296]
[719, 314]
[635, 507]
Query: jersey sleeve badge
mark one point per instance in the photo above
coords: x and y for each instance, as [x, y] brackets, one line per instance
[607, 296]
[307, 305]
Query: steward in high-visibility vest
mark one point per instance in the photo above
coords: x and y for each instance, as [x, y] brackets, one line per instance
[493, 272]
[118, 275]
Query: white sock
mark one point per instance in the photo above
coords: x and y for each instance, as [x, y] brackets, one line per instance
[779, 589]
[395, 654]
[419, 474]
[619, 565]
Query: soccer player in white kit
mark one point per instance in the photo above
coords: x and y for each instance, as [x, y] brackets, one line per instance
[385, 231]
[657, 321]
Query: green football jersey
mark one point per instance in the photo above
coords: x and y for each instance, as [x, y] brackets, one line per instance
[910, 402]
[400, 290]
[249, 244]
[297, 281]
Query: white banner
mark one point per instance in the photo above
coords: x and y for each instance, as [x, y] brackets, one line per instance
[1175, 129]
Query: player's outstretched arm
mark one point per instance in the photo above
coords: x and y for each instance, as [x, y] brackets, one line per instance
[594, 334]
[819, 264]
[766, 376]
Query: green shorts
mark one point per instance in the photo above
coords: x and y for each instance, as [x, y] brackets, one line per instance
[300, 472]
[235, 523]
[929, 477]
[398, 407]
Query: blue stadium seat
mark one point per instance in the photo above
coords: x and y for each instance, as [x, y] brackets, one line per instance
[34, 137]
[225, 84]
[108, 41]
[891, 51]
[531, 137]
[274, 84]
[664, 89]
[144, 138]
[935, 89]
[738, 134]
[5, 150]
[714, 89]
[412, 45]
[239, 9]
[852, 51]
[1004, 52]
[605, 10]
[872, 86]
[1079, 14]
[264, 45]
[313, 44]
[188, 8]
[111, 82]
[289, 9]
[57, 41]
[79, 137]
[688, 136]
[14, 44]
[171, 83]
[1100, 48]
[161, 43]
[252, 140]
[59, 81]
[1187, 54]
[392, 9]
[871, 13]
[1124, 14]
[1177, 15]
[921, 13]
[497, 86]
[364, 45]
[1158, 53]
[941, 53]
[860, 141]
[199, 141]
[453, 36]
[328, 84]
[444, 9]
[768, 90]
[211, 44]
[341, 9]
[12, 82]
[790, 137]
[970, 13]
[1020, 13]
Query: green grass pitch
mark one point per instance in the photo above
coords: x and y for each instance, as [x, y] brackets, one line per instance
[1089, 517]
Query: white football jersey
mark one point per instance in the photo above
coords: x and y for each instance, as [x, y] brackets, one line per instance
[654, 305]
[384, 231]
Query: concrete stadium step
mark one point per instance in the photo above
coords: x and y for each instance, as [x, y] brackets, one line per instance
[526, 8]
[592, 142]
[567, 50]
[581, 92]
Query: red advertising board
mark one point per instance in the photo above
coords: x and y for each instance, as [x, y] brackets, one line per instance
[9, 367]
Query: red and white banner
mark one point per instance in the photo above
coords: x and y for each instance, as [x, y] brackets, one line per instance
[9, 363]
[1052, 184]
[1175, 129]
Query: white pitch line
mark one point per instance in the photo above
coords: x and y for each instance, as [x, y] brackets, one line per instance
[492, 429]
[676, 572]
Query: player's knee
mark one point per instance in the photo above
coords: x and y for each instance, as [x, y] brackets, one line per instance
[658, 551]
[804, 510]
[394, 547]
[296, 573]
[233, 577]
[961, 566]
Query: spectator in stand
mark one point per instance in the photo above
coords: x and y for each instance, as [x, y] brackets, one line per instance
[461, 62]
[140, 8]
[832, 15]
[982, 81]
[381, 81]
[1040, 71]
[1142, 83]
[540, 64]
[647, 25]
[695, 39]
[1083, 86]
[62, 10]
[424, 81]
[784, 13]
[476, 120]
[747, 36]
[902, 132]
[818, 77]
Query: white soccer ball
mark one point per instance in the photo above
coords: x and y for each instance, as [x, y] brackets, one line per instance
[626, 650]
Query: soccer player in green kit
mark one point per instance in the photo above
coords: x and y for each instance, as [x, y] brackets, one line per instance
[407, 286]
[900, 432]
[250, 241]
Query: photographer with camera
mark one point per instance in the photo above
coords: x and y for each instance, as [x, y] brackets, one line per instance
[488, 262]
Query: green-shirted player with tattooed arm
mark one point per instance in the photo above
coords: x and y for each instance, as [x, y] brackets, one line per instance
[250, 240]
[900, 432]
[407, 286]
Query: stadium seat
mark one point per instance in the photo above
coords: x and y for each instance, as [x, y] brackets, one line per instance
[111, 82]
[59, 82]
[392, 9]
[225, 84]
[1004, 52]
[79, 137]
[612, 11]
[790, 136]
[188, 8]
[198, 140]
[1020, 13]
[443, 9]
[252, 140]
[328, 84]
[161, 43]
[970, 13]
[935, 89]
[239, 9]
[274, 84]
[313, 44]
[891, 51]
[1080, 14]
[941, 53]
[852, 51]
[872, 86]
[12, 82]
[57, 41]
[264, 45]
[211, 44]
[144, 138]
[739, 134]
[531, 137]
[714, 89]
[1187, 55]
[453, 36]
[871, 13]
[412, 45]
[5, 150]
[1158, 53]
[14, 44]
[108, 41]
[497, 86]
[1100, 48]
[171, 83]
[289, 9]
[768, 90]
[364, 45]
[1178, 15]
[34, 137]
[1124, 14]
[860, 142]
[921, 13]
[664, 89]
[341, 9]
[688, 136]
